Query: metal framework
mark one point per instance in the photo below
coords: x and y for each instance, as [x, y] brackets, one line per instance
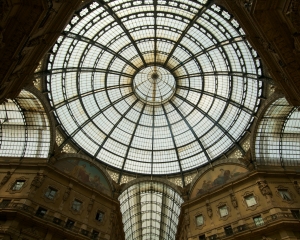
[24, 128]
[277, 139]
[150, 210]
[110, 83]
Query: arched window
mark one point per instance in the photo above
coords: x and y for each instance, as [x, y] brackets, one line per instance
[278, 135]
[24, 127]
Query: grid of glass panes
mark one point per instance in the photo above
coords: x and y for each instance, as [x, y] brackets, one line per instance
[277, 138]
[150, 210]
[94, 63]
[24, 127]
[258, 221]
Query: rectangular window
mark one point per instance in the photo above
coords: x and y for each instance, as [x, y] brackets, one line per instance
[50, 193]
[202, 237]
[213, 237]
[56, 221]
[4, 203]
[76, 205]
[69, 224]
[223, 211]
[228, 230]
[84, 232]
[41, 212]
[296, 214]
[18, 185]
[285, 194]
[95, 234]
[250, 200]
[99, 216]
[199, 220]
[258, 221]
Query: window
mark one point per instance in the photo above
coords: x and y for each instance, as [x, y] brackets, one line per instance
[99, 216]
[285, 194]
[223, 211]
[213, 237]
[228, 230]
[41, 212]
[296, 214]
[57, 220]
[241, 228]
[51, 192]
[258, 221]
[69, 224]
[199, 220]
[4, 203]
[76, 205]
[202, 237]
[18, 185]
[84, 232]
[250, 200]
[95, 234]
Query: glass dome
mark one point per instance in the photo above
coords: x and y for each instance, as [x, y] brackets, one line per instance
[154, 87]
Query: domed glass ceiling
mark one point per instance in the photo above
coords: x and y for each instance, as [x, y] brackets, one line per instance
[154, 87]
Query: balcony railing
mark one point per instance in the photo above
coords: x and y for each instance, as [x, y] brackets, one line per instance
[59, 222]
[251, 226]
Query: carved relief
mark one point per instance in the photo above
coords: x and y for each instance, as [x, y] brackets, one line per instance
[264, 188]
[184, 191]
[293, 13]
[91, 204]
[267, 46]
[247, 4]
[5, 178]
[112, 218]
[4, 9]
[267, 238]
[233, 200]
[297, 187]
[37, 181]
[36, 41]
[209, 210]
[67, 193]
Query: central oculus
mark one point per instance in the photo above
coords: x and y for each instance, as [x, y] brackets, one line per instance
[154, 85]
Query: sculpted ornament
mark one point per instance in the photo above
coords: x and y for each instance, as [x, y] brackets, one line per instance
[267, 238]
[5, 178]
[37, 181]
[67, 193]
[233, 200]
[91, 204]
[209, 210]
[264, 188]
[297, 187]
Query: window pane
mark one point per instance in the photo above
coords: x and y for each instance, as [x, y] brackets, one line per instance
[223, 211]
[285, 195]
[250, 200]
[199, 220]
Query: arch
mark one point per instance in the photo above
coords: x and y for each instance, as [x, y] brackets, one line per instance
[150, 207]
[277, 134]
[86, 171]
[209, 178]
[25, 129]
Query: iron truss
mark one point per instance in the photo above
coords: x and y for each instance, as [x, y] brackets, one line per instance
[94, 65]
